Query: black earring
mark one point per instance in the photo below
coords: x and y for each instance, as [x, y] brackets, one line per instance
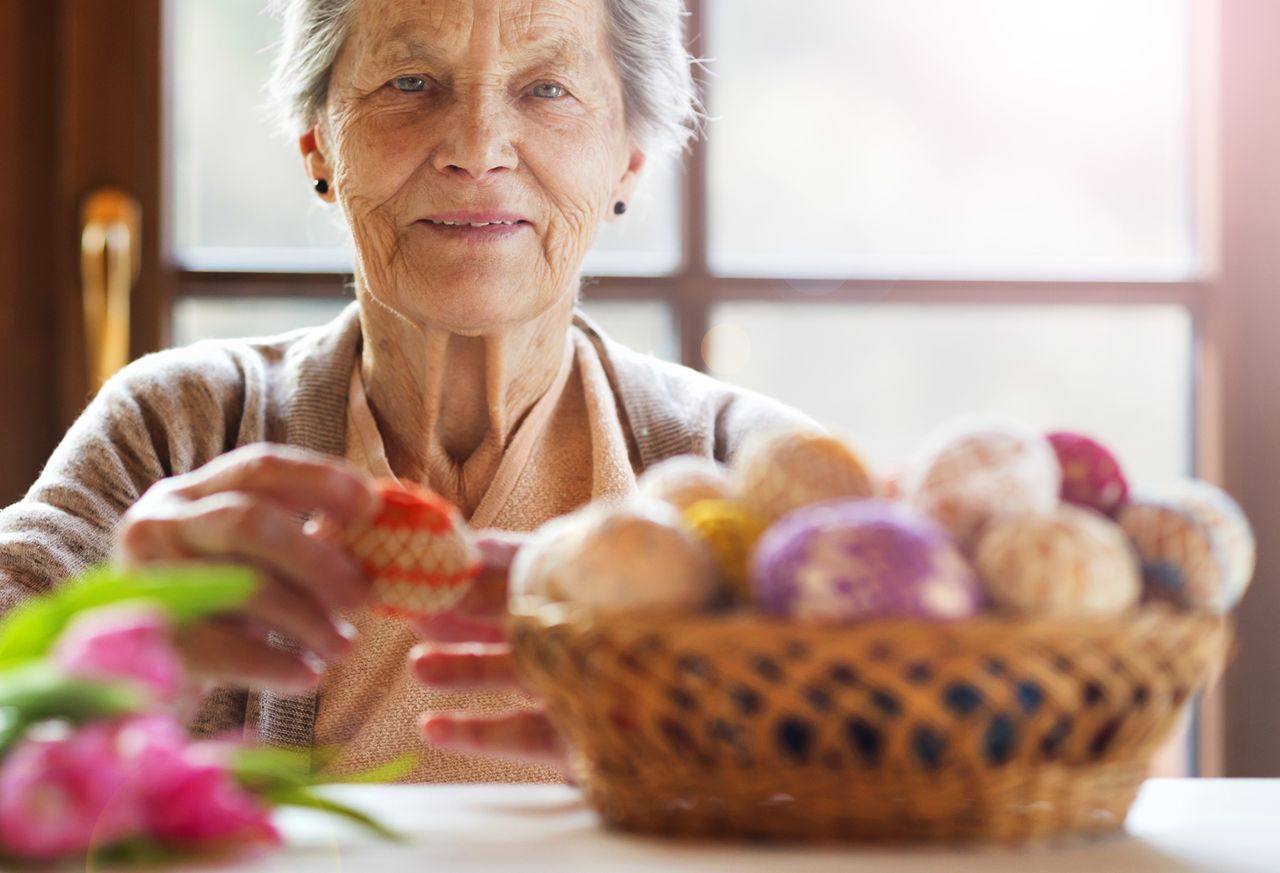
[322, 186]
[619, 208]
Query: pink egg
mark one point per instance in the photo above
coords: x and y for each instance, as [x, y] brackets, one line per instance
[1091, 475]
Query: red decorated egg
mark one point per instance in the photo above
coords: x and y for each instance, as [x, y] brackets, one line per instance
[1091, 475]
[417, 551]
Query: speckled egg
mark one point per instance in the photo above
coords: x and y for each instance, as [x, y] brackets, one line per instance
[1071, 562]
[636, 557]
[975, 470]
[779, 472]
[851, 560]
[1228, 525]
[730, 531]
[1196, 546]
[685, 480]
[417, 552]
[1091, 475]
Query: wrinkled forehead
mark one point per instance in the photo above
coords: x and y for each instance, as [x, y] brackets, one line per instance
[568, 31]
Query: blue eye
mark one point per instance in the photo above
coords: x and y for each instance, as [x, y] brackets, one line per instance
[409, 83]
[548, 90]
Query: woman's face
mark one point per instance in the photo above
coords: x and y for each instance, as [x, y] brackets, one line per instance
[444, 114]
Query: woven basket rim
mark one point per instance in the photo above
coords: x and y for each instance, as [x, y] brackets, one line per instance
[576, 617]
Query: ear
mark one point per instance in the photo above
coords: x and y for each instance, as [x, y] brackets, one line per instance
[316, 162]
[626, 187]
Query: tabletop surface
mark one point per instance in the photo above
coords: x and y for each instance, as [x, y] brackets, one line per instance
[1176, 826]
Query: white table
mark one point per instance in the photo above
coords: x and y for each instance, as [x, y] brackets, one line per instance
[1177, 826]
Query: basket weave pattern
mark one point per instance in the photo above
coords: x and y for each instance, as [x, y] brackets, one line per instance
[890, 730]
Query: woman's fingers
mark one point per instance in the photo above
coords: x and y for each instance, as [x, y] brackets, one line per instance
[470, 665]
[220, 652]
[451, 627]
[298, 480]
[520, 736]
[279, 605]
[235, 524]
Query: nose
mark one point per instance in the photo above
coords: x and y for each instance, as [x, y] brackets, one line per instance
[477, 138]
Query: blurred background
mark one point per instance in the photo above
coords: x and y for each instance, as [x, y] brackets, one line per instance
[1062, 210]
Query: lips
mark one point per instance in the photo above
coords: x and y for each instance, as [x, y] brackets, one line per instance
[475, 219]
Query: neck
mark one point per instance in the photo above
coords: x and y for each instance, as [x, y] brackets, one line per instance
[438, 395]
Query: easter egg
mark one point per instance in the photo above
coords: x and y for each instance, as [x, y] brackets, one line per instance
[685, 480]
[540, 563]
[1091, 475]
[1228, 526]
[851, 560]
[635, 557]
[1196, 546]
[417, 552]
[974, 470]
[777, 473]
[1071, 562]
[730, 531]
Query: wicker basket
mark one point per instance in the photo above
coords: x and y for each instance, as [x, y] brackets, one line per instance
[989, 729]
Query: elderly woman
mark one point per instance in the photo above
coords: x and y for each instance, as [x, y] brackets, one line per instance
[473, 147]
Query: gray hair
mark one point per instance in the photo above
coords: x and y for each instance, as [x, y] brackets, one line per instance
[647, 38]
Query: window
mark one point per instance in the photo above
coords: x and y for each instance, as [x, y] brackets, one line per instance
[903, 209]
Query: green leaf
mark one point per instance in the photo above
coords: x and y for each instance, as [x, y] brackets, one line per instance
[39, 692]
[187, 592]
[259, 767]
[392, 770]
[307, 799]
[262, 769]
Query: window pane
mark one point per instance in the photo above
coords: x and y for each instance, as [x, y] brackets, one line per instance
[644, 325]
[240, 194]
[990, 138]
[197, 318]
[884, 376]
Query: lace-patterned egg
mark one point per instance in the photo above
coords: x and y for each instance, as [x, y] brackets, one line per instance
[417, 552]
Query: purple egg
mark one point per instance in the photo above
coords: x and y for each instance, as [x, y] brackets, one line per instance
[846, 561]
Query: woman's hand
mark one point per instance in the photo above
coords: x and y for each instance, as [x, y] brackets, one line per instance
[466, 648]
[241, 508]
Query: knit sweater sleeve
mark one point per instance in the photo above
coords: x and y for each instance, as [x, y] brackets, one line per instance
[165, 414]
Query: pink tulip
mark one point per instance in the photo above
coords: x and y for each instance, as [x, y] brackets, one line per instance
[131, 641]
[187, 794]
[63, 793]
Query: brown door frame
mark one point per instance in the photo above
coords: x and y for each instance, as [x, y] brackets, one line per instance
[110, 133]
[29, 337]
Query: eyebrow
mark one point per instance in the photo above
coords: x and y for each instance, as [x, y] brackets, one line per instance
[558, 50]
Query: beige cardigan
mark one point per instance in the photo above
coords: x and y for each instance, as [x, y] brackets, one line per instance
[174, 411]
